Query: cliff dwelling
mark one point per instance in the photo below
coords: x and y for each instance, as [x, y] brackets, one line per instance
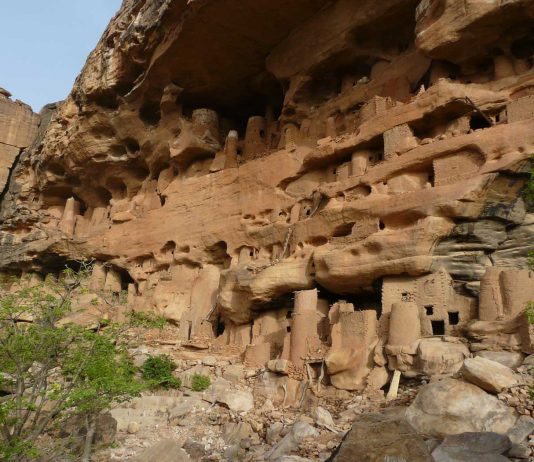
[333, 196]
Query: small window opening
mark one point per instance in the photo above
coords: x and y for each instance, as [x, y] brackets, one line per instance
[429, 309]
[381, 225]
[405, 297]
[438, 327]
[454, 318]
[477, 122]
[288, 329]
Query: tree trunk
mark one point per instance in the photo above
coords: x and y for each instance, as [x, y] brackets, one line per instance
[91, 429]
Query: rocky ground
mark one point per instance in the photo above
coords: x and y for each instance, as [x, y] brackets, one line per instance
[241, 417]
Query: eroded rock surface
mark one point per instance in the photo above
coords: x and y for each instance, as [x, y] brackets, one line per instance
[488, 375]
[451, 407]
[375, 438]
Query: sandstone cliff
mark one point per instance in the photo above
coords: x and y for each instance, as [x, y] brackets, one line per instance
[18, 128]
[215, 157]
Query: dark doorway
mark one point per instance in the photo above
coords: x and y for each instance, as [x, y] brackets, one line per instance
[438, 327]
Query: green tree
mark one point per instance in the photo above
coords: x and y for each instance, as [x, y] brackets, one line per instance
[55, 371]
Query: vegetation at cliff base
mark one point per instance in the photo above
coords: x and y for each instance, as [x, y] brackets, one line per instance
[54, 372]
[200, 382]
[157, 371]
[147, 319]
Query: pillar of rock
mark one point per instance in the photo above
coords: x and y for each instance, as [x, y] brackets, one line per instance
[231, 149]
[304, 324]
[68, 220]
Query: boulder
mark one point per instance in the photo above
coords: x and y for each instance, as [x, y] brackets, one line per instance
[376, 438]
[323, 418]
[489, 375]
[185, 407]
[234, 432]
[472, 446]
[520, 431]
[209, 361]
[148, 410]
[195, 449]
[298, 432]
[234, 373]
[452, 406]
[436, 357]
[75, 429]
[281, 366]
[133, 428]
[509, 359]
[519, 451]
[273, 432]
[164, 451]
[236, 400]
[277, 388]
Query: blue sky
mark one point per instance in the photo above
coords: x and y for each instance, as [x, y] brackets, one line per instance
[44, 45]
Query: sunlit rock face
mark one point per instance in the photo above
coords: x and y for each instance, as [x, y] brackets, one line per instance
[217, 156]
[18, 129]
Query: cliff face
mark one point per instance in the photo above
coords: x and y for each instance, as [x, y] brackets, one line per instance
[216, 156]
[18, 129]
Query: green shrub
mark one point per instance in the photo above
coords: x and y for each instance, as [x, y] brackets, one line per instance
[148, 319]
[200, 382]
[157, 371]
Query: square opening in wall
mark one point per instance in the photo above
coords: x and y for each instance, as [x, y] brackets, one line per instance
[454, 318]
[438, 327]
[429, 310]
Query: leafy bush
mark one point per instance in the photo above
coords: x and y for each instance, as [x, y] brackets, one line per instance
[200, 382]
[157, 371]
